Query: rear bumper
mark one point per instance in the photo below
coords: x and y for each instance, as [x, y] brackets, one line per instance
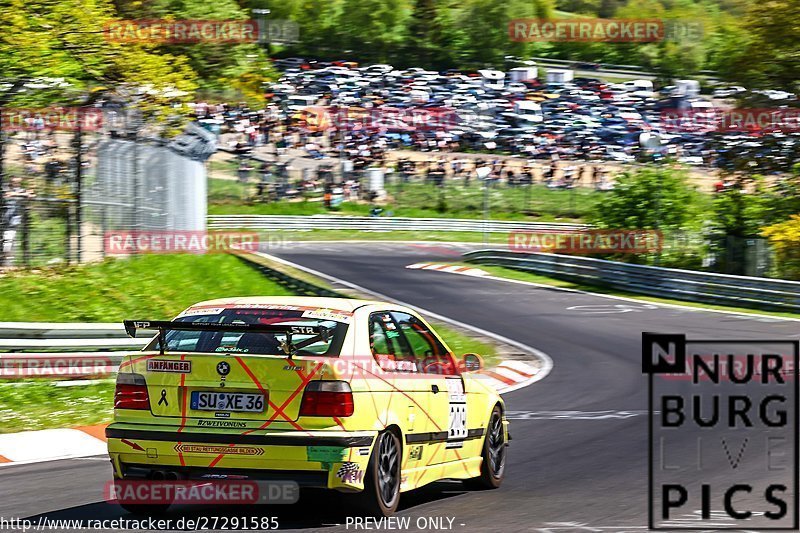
[325, 459]
[310, 478]
[304, 438]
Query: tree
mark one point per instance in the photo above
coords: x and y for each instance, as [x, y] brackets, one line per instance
[656, 197]
[485, 24]
[770, 57]
[584, 7]
[373, 29]
[677, 55]
[430, 35]
[319, 27]
[609, 7]
[64, 39]
[739, 211]
[235, 71]
[784, 238]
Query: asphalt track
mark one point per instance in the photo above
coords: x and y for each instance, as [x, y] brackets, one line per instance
[578, 463]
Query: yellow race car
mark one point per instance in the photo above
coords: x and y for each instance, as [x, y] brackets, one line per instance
[352, 395]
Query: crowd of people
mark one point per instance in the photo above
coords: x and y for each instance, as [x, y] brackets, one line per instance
[577, 131]
[349, 153]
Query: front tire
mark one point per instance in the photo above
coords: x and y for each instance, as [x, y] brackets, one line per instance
[381, 494]
[493, 466]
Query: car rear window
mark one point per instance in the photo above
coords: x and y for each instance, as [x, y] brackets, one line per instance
[254, 343]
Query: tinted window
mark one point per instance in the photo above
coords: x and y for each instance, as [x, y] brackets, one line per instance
[403, 343]
[389, 348]
[253, 343]
[429, 353]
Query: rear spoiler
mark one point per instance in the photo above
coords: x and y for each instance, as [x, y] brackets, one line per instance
[131, 326]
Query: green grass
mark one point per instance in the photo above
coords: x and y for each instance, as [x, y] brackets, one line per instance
[224, 192]
[32, 405]
[462, 343]
[420, 200]
[509, 203]
[46, 240]
[148, 286]
[432, 236]
[520, 275]
[228, 166]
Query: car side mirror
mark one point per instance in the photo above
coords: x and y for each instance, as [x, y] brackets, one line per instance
[471, 362]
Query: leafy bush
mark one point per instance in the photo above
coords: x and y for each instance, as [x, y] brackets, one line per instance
[785, 240]
[656, 197]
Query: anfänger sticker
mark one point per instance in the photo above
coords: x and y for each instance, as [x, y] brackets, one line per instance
[164, 365]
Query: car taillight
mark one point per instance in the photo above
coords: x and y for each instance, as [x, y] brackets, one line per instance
[131, 392]
[327, 398]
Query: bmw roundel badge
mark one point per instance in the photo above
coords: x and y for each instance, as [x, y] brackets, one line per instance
[223, 368]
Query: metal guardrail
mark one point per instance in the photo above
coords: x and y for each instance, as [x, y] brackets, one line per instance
[611, 68]
[359, 223]
[702, 287]
[61, 330]
[71, 344]
[63, 350]
[54, 336]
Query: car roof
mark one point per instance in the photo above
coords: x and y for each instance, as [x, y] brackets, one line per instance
[338, 304]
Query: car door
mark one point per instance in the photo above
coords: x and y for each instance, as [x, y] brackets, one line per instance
[440, 382]
[418, 409]
[391, 354]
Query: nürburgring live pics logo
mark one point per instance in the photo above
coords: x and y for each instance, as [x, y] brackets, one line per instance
[723, 433]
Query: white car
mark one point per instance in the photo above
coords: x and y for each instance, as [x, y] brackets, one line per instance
[517, 87]
[694, 160]
[378, 69]
[727, 92]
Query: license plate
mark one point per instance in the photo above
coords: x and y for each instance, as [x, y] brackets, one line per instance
[227, 401]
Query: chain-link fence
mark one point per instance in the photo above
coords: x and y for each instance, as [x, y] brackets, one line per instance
[57, 211]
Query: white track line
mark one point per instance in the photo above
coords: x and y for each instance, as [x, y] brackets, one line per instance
[546, 361]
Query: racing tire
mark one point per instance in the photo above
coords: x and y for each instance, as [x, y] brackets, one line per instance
[493, 466]
[381, 494]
